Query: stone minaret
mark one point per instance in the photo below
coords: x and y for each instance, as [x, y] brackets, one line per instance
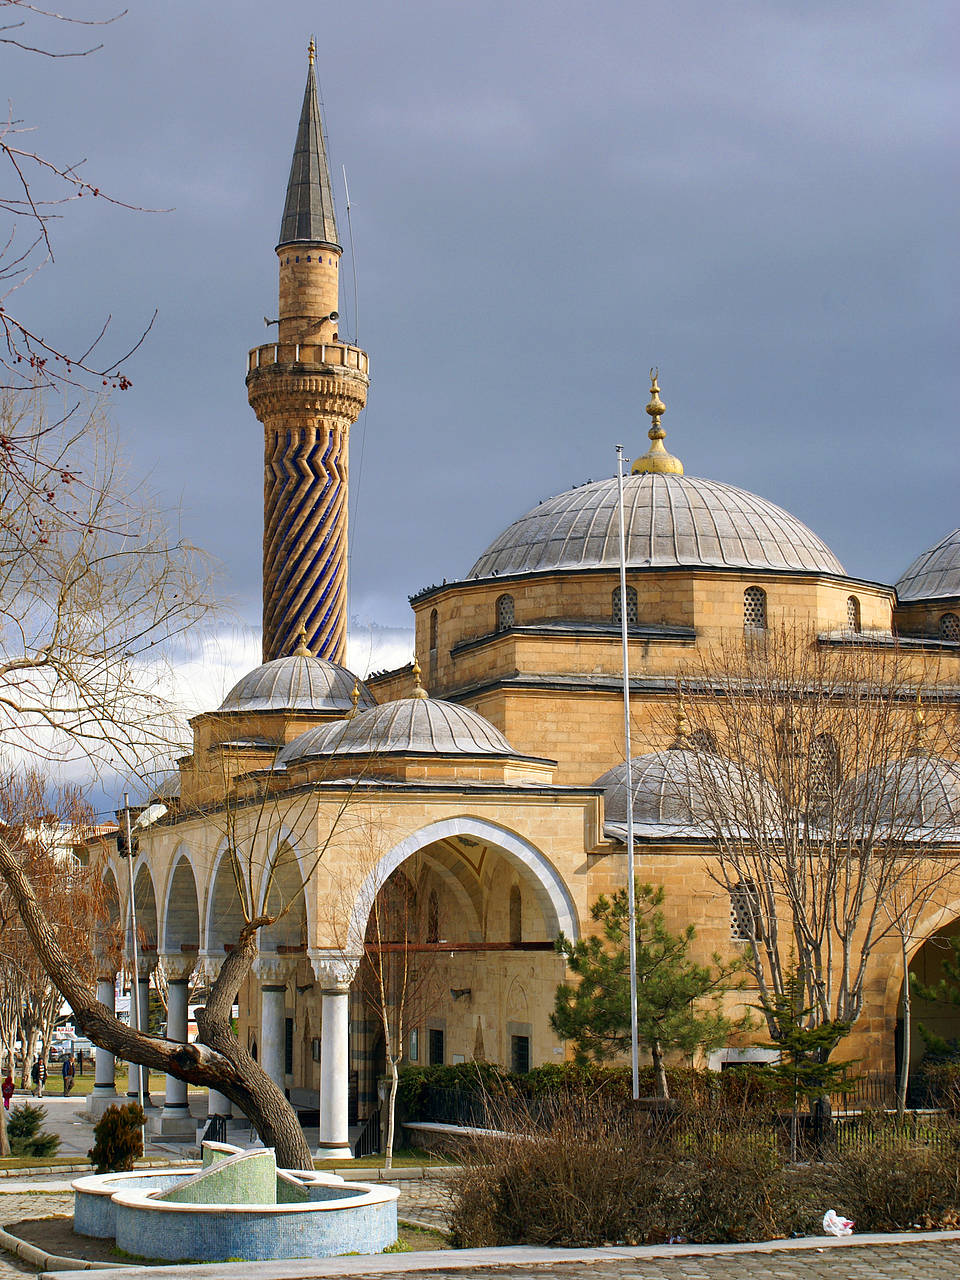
[307, 389]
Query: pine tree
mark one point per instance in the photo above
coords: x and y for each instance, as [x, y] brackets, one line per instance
[678, 1000]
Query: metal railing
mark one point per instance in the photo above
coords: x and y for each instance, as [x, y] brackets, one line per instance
[369, 1139]
[216, 1130]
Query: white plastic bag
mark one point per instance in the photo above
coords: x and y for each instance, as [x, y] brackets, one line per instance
[834, 1225]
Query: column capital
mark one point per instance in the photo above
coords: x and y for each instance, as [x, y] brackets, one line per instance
[208, 966]
[272, 970]
[145, 966]
[334, 970]
[179, 965]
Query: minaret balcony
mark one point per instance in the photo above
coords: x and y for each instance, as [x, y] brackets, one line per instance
[338, 355]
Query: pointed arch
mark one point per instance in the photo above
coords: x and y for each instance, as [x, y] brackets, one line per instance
[181, 906]
[553, 898]
[224, 916]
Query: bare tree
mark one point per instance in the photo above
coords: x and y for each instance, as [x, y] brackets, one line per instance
[827, 836]
[37, 192]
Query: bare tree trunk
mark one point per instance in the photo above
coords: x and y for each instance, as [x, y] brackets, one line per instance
[4, 1140]
[29, 1053]
[903, 1078]
[661, 1071]
[391, 1113]
[217, 1060]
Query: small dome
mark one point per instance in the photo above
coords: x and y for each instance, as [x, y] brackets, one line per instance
[409, 726]
[915, 792]
[299, 682]
[671, 521]
[676, 788]
[935, 573]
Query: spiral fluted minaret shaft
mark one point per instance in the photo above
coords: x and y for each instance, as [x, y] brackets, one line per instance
[307, 389]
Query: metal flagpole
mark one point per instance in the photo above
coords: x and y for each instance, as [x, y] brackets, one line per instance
[135, 984]
[631, 869]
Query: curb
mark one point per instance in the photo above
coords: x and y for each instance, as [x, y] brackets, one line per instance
[84, 1166]
[51, 1261]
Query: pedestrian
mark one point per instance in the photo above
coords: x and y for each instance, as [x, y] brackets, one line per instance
[80, 1061]
[8, 1088]
[35, 1075]
[41, 1076]
[69, 1072]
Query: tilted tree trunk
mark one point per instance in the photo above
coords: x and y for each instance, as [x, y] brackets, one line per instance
[661, 1071]
[216, 1061]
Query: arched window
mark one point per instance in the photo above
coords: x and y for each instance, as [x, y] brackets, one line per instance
[433, 629]
[744, 912]
[632, 612]
[824, 768]
[702, 740]
[433, 917]
[505, 613]
[853, 614]
[949, 627]
[754, 609]
[516, 916]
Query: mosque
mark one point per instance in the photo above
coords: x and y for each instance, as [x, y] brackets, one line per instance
[489, 772]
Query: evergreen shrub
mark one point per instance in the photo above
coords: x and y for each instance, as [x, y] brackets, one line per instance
[27, 1138]
[119, 1138]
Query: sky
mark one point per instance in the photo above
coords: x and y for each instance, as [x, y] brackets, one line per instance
[547, 200]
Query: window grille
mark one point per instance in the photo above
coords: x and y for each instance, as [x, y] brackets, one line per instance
[505, 613]
[950, 627]
[824, 768]
[633, 613]
[754, 609]
[520, 1054]
[853, 614]
[744, 912]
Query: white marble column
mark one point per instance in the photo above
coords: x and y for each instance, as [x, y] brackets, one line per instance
[142, 989]
[334, 974]
[104, 1093]
[175, 1120]
[273, 972]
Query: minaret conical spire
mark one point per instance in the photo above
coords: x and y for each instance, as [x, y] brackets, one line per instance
[308, 213]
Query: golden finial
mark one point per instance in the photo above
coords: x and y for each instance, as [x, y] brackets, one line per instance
[418, 690]
[312, 51]
[656, 459]
[919, 719]
[302, 650]
[355, 700]
[682, 729]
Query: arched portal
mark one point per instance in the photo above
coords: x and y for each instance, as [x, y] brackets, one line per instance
[940, 1019]
[225, 907]
[283, 896]
[457, 926]
[145, 898]
[181, 915]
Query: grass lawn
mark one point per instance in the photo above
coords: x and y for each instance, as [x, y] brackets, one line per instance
[34, 1162]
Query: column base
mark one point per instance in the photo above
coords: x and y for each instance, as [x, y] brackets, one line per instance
[333, 1151]
[97, 1102]
[148, 1103]
[178, 1125]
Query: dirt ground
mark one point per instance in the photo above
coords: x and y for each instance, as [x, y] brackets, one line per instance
[56, 1235]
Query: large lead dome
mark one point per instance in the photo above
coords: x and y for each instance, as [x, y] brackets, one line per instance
[671, 521]
[935, 573]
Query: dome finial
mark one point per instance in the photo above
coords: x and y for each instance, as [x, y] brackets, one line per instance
[355, 700]
[418, 690]
[312, 50]
[302, 650]
[656, 459]
[682, 724]
[919, 721]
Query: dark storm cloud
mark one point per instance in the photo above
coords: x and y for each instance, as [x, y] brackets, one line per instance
[548, 198]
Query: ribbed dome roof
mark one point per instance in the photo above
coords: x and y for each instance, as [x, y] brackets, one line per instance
[914, 792]
[299, 682]
[676, 788]
[671, 520]
[409, 726]
[935, 573]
